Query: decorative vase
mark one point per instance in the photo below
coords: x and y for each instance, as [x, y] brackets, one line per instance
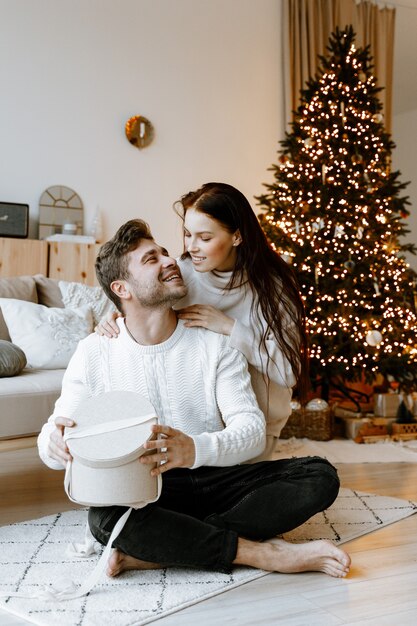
[97, 226]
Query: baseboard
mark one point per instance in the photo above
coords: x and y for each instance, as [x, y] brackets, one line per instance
[19, 443]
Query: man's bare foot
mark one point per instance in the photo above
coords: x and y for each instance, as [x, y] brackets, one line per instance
[277, 555]
[119, 562]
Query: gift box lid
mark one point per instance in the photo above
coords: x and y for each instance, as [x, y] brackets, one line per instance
[110, 428]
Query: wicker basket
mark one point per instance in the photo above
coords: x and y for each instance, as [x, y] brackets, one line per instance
[316, 425]
[404, 429]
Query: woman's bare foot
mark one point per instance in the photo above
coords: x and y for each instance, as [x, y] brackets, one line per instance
[277, 555]
[119, 562]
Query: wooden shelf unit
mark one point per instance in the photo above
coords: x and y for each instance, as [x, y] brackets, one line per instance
[73, 262]
[59, 260]
[20, 257]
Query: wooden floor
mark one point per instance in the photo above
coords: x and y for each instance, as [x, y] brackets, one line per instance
[381, 589]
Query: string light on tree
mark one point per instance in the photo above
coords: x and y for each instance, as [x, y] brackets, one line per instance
[336, 208]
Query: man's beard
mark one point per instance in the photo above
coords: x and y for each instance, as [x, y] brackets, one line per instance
[157, 296]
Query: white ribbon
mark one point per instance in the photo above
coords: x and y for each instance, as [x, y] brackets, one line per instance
[69, 591]
[83, 550]
[107, 427]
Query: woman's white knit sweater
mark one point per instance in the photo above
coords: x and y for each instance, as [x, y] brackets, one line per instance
[194, 380]
[274, 398]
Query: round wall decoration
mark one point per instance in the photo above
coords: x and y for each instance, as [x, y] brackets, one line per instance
[139, 131]
[59, 205]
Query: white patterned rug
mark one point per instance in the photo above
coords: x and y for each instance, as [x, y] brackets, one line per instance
[347, 451]
[32, 555]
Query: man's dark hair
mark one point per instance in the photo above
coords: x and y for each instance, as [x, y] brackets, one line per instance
[112, 262]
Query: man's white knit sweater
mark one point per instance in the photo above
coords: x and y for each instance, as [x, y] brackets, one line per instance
[194, 380]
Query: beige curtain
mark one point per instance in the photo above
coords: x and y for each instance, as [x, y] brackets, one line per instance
[307, 25]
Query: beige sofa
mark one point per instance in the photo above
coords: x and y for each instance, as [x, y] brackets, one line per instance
[27, 400]
[48, 335]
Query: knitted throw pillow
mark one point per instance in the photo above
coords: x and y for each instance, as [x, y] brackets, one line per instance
[12, 359]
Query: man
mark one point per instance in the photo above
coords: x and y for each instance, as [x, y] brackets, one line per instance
[214, 509]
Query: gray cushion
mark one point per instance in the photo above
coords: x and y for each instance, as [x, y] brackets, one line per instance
[49, 293]
[12, 359]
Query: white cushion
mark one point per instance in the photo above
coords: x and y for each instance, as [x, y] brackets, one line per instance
[75, 295]
[47, 336]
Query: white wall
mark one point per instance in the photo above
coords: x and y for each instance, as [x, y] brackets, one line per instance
[207, 73]
[404, 158]
[404, 134]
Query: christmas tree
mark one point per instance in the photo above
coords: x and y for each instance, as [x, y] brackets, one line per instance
[335, 211]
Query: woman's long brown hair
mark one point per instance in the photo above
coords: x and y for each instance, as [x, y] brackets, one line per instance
[271, 279]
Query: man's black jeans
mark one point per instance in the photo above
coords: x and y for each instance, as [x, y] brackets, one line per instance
[201, 513]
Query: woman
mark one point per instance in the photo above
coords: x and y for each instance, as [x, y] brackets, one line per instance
[238, 286]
